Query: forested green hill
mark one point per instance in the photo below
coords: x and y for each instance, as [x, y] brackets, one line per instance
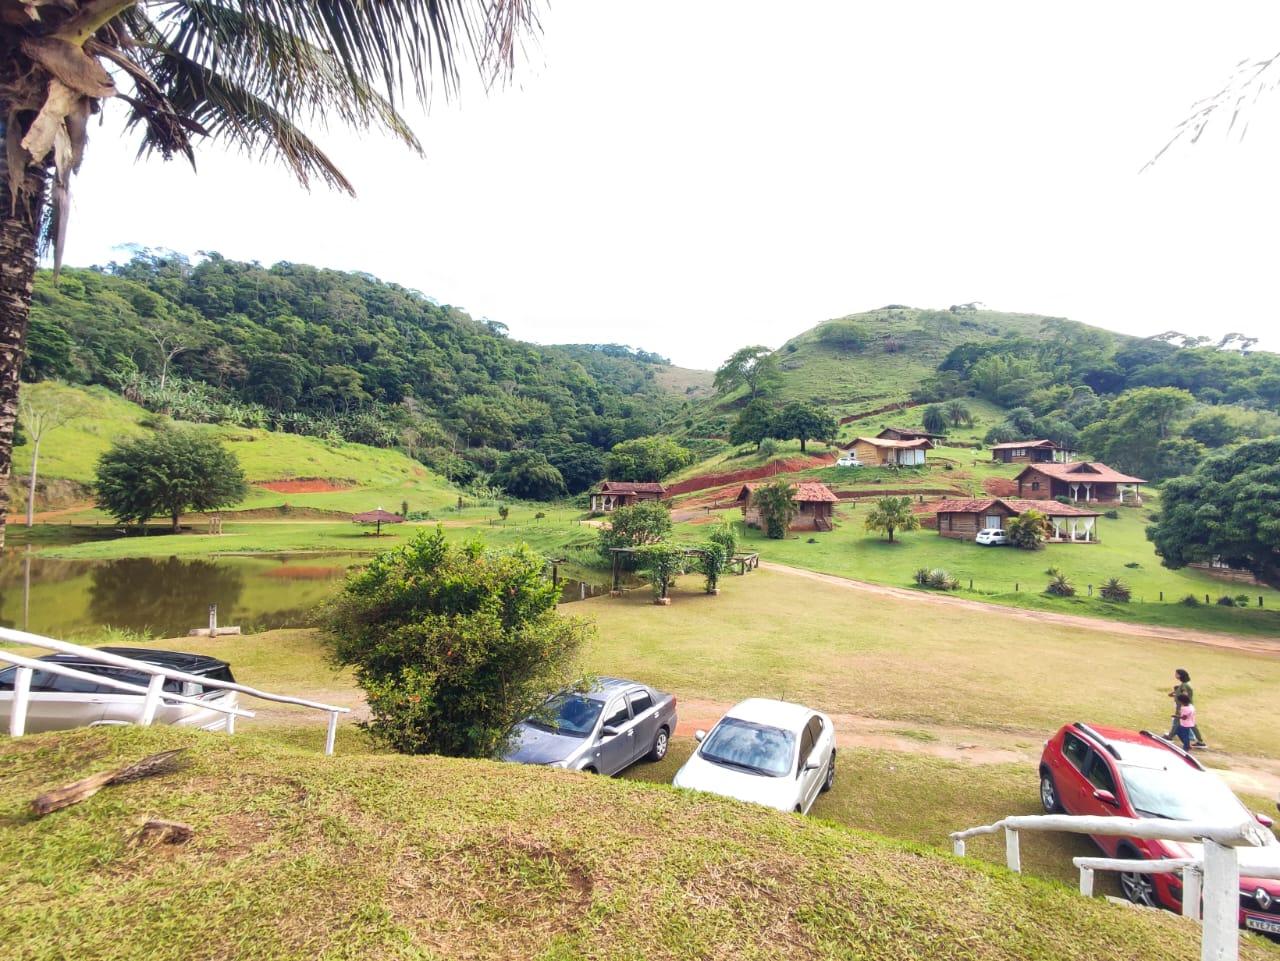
[329, 353]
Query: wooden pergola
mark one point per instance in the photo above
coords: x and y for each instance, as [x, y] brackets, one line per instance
[744, 562]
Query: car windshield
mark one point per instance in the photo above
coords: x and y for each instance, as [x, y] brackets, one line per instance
[1181, 794]
[572, 714]
[758, 748]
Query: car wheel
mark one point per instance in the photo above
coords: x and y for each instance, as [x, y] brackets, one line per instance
[1049, 794]
[661, 741]
[830, 780]
[1138, 888]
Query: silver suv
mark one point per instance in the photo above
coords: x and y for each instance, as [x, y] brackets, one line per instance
[59, 702]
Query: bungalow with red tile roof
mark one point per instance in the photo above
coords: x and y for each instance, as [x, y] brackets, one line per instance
[964, 518]
[1032, 451]
[1089, 482]
[611, 495]
[815, 506]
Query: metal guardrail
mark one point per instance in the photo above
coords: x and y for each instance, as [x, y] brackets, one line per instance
[153, 693]
[1212, 881]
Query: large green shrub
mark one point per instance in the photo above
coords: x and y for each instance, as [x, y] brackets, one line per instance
[452, 645]
[661, 564]
[712, 563]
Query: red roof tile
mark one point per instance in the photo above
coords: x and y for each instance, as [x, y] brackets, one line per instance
[630, 487]
[1084, 471]
[814, 493]
[889, 442]
[1015, 505]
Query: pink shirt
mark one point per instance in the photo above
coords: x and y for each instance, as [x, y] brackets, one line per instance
[1187, 715]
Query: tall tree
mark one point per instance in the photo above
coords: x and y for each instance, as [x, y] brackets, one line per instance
[1228, 508]
[958, 414]
[246, 73]
[803, 422]
[166, 473]
[755, 367]
[753, 424]
[43, 408]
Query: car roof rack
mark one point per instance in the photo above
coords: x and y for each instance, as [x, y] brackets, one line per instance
[1176, 748]
[1107, 745]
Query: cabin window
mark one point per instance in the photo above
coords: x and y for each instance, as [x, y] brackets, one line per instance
[1035, 485]
[948, 520]
[995, 521]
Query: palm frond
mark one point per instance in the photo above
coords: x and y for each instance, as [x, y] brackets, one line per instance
[228, 111]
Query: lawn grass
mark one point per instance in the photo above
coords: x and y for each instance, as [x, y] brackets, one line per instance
[778, 635]
[381, 856]
[1005, 575]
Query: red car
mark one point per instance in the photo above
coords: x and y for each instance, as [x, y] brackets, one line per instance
[1105, 771]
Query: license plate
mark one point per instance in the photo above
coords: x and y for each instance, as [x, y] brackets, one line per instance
[1261, 924]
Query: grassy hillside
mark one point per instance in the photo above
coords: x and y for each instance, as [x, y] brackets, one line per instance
[378, 856]
[356, 477]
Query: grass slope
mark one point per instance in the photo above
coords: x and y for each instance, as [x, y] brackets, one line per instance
[300, 856]
[366, 477]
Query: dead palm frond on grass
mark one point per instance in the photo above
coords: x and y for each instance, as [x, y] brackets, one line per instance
[255, 75]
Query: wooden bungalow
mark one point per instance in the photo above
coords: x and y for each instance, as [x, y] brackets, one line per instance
[1090, 482]
[887, 451]
[964, 518]
[1032, 452]
[909, 433]
[815, 502]
[611, 495]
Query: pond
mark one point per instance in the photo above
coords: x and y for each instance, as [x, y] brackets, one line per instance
[167, 597]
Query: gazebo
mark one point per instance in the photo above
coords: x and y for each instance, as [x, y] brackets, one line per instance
[378, 517]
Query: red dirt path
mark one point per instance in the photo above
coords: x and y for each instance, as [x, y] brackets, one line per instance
[305, 485]
[703, 481]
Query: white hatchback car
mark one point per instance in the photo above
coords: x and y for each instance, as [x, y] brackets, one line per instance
[992, 537]
[767, 752]
[848, 460]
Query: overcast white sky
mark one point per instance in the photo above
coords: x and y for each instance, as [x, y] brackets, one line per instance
[689, 176]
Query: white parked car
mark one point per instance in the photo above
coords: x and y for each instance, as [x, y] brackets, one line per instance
[848, 460]
[992, 537]
[767, 752]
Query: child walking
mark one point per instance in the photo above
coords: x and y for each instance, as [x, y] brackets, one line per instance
[1186, 721]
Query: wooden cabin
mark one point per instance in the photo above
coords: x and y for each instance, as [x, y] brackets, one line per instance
[1032, 452]
[611, 495]
[1086, 481]
[815, 506]
[910, 433]
[886, 451]
[963, 519]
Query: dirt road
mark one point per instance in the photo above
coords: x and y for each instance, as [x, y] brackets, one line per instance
[1250, 775]
[1253, 645]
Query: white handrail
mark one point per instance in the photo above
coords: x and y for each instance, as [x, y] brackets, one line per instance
[117, 660]
[1220, 867]
[30, 663]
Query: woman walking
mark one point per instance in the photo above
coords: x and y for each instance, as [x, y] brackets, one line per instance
[1183, 687]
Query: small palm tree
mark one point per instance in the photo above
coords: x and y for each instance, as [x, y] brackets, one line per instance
[958, 414]
[1114, 589]
[934, 419]
[250, 73]
[892, 514]
[776, 503]
[1029, 530]
[1061, 586]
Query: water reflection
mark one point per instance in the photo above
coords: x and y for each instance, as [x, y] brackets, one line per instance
[163, 596]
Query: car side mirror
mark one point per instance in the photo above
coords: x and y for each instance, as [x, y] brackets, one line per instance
[699, 736]
[1265, 820]
[608, 731]
[1106, 797]
[812, 765]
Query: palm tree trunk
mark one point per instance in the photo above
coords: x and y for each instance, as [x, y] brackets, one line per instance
[18, 240]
